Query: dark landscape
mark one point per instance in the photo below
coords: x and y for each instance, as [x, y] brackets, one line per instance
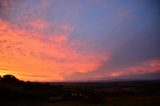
[14, 92]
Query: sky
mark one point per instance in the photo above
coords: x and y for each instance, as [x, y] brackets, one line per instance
[80, 40]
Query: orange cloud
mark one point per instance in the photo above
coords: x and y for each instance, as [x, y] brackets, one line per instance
[34, 56]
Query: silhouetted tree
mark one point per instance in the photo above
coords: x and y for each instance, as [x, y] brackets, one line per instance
[9, 79]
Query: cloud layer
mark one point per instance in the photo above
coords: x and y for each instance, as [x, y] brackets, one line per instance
[51, 40]
[54, 57]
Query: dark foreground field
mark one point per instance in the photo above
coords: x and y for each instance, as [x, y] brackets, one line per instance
[111, 101]
[14, 92]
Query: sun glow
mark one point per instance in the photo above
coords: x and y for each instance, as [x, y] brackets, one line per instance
[5, 72]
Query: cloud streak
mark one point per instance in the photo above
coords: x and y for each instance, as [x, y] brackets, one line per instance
[147, 67]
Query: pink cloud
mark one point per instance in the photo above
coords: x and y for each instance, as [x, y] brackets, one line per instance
[24, 54]
[150, 66]
[146, 67]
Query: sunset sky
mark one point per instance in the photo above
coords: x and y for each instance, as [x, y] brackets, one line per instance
[80, 40]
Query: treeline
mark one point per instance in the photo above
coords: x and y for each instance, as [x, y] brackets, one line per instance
[12, 88]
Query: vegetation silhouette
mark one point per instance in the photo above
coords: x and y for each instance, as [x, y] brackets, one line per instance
[12, 88]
